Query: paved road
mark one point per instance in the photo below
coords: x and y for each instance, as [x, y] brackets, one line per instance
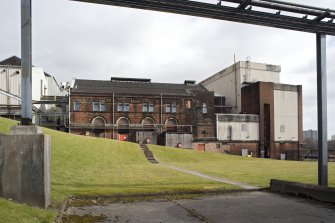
[239, 207]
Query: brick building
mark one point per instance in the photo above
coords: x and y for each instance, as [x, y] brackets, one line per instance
[138, 110]
[279, 107]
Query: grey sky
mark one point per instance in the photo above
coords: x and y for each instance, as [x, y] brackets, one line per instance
[81, 40]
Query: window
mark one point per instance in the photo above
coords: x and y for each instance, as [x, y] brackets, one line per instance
[76, 106]
[174, 107]
[151, 106]
[144, 107]
[204, 108]
[120, 106]
[244, 127]
[102, 106]
[126, 107]
[95, 106]
[167, 108]
[282, 128]
[188, 104]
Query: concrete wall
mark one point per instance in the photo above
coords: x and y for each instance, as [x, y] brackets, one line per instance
[174, 139]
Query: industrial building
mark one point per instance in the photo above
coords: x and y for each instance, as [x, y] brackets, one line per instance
[243, 109]
[253, 89]
[45, 91]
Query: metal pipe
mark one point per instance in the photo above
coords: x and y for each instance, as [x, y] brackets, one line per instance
[113, 115]
[69, 109]
[213, 11]
[26, 63]
[301, 9]
[161, 128]
[322, 109]
[298, 5]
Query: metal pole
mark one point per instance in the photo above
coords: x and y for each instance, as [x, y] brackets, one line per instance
[26, 63]
[322, 109]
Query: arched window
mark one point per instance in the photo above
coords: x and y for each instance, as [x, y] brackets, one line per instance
[148, 121]
[171, 122]
[98, 121]
[171, 125]
[123, 122]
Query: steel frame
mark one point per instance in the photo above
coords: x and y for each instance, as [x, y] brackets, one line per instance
[310, 19]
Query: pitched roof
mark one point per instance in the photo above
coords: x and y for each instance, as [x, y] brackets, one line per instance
[12, 61]
[109, 87]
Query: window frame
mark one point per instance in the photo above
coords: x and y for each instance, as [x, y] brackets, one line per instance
[204, 108]
[151, 107]
[102, 105]
[168, 108]
[144, 106]
[174, 107]
[120, 106]
[75, 104]
[95, 106]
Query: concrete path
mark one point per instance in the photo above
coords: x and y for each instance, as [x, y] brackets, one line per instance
[223, 180]
[246, 207]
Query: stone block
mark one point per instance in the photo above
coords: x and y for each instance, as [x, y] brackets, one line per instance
[321, 193]
[26, 168]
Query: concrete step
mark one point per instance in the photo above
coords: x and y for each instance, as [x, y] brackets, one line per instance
[148, 154]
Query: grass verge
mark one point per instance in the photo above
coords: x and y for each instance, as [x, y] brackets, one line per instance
[252, 171]
[84, 166]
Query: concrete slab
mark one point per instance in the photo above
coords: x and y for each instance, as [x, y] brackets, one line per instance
[240, 207]
[25, 130]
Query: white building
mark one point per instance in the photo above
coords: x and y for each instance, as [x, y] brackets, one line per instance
[229, 82]
[10, 87]
[265, 116]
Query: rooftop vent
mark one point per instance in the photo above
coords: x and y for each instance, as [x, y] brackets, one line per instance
[130, 80]
[188, 82]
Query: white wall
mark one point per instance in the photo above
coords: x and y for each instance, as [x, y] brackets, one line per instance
[228, 82]
[10, 81]
[286, 114]
[237, 133]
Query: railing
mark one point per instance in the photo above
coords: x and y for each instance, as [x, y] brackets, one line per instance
[308, 155]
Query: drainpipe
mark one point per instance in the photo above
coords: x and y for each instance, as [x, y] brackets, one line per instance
[161, 114]
[113, 115]
[70, 109]
[236, 91]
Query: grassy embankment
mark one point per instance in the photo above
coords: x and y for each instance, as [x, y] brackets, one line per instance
[253, 171]
[92, 166]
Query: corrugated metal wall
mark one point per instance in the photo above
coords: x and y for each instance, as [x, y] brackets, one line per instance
[10, 81]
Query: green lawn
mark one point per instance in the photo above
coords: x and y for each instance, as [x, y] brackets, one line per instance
[93, 166]
[248, 170]
[16, 213]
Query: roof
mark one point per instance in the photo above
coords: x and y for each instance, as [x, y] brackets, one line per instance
[109, 87]
[11, 61]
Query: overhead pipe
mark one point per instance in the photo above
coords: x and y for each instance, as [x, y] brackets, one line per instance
[277, 5]
[298, 5]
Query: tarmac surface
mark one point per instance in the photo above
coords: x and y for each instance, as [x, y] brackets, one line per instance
[241, 207]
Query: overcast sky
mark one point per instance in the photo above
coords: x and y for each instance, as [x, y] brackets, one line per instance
[81, 40]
